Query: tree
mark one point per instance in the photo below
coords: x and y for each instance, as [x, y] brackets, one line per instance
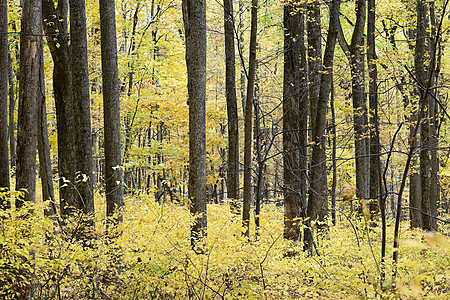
[194, 17]
[29, 92]
[4, 151]
[294, 119]
[232, 113]
[111, 110]
[318, 204]
[45, 164]
[81, 107]
[355, 56]
[248, 120]
[55, 27]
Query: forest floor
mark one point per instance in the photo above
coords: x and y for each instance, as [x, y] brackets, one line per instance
[151, 259]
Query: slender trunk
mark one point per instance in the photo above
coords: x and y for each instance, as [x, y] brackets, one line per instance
[45, 163]
[333, 157]
[314, 57]
[232, 112]
[111, 110]
[12, 107]
[4, 151]
[356, 60]
[248, 121]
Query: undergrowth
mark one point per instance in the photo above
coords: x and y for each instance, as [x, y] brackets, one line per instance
[152, 259]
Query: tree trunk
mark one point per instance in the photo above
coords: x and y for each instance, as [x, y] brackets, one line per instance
[314, 57]
[45, 163]
[55, 27]
[318, 202]
[4, 151]
[12, 107]
[30, 89]
[81, 106]
[356, 60]
[248, 127]
[111, 109]
[194, 17]
[294, 120]
[232, 113]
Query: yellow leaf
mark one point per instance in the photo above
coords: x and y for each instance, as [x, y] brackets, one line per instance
[416, 288]
[349, 191]
[365, 209]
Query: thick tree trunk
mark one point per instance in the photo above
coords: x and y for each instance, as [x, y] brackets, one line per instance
[31, 61]
[111, 109]
[248, 127]
[232, 112]
[318, 202]
[294, 120]
[194, 16]
[55, 28]
[81, 106]
[4, 151]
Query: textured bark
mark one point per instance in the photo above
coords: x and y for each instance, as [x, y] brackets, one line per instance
[420, 72]
[356, 60]
[111, 110]
[55, 28]
[314, 57]
[45, 163]
[81, 107]
[232, 112]
[248, 120]
[318, 203]
[29, 92]
[375, 168]
[294, 119]
[11, 108]
[194, 17]
[4, 151]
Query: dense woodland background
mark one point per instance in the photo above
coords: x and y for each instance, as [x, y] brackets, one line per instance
[235, 149]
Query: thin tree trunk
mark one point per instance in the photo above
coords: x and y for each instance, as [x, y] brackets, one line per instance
[248, 127]
[232, 112]
[4, 151]
[194, 16]
[12, 107]
[45, 163]
[314, 57]
[111, 108]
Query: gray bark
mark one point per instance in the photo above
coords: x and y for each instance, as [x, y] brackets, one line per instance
[111, 110]
[81, 106]
[4, 151]
[55, 28]
[232, 113]
[248, 127]
[194, 17]
[29, 92]
[318, 203]
[294, 119]
[45, 163]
